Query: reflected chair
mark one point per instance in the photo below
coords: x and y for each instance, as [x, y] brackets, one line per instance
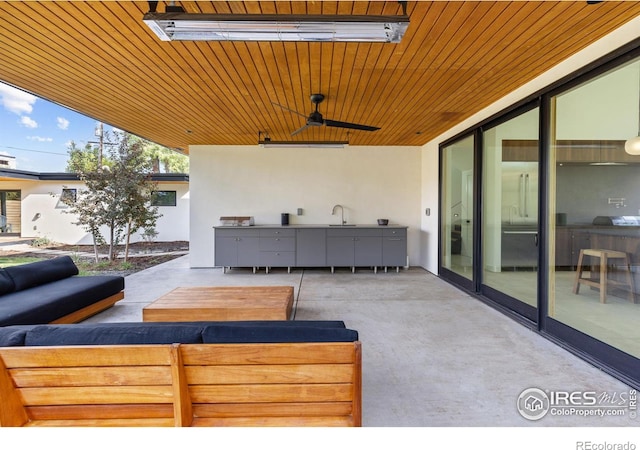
[604, 282]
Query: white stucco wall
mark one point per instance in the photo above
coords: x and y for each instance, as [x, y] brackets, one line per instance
[370, 182]
[43, 215]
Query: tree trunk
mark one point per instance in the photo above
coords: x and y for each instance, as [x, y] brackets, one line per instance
[126, 246]
[95, 247]
[111, 235]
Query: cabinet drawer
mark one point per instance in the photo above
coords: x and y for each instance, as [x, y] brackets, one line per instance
[395, 232]
[277, 259]
[236, 232]
[278, 232]
[282, 244]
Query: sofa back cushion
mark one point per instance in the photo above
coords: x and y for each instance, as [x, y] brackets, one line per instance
[6, 283]
[41, 272]
[238, 334]
[119, 334]
[13, 336]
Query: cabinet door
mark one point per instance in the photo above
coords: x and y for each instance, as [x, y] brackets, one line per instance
[394, 248]
[519, 150]
[519, 249]
[340, 251]
[367, 251]
[311, 248]
[226, 251]
[248, 251]
[580, 239]
[613, 151]
[577, 151]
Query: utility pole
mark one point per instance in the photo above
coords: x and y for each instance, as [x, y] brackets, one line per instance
[100, 134]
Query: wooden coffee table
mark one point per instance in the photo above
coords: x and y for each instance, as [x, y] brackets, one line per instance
[192, 304]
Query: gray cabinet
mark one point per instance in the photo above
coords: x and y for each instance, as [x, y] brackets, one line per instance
[321, 246]
[311, 247]
[354, 247]
[237, 247]
[394, 247]
[340, 251]
[277, 248]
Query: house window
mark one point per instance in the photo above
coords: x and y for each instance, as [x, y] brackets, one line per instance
[69, 195]
[164, 198]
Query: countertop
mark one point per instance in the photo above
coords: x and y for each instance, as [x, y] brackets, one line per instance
[329, 226]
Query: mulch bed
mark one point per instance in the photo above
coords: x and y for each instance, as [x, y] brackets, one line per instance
[142, 255]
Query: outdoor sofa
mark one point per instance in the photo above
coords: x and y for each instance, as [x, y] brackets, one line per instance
[258, 373]
[50, 291]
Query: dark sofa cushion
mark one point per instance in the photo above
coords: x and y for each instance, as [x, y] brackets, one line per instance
[238, 334]
[46, 303]
[106, 334]
[13, 336]
[6, 283]
[38, 273]
[281, 323]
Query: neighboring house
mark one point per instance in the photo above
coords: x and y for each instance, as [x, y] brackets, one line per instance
[32, 204]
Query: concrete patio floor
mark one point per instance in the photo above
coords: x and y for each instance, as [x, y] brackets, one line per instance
[433, 356]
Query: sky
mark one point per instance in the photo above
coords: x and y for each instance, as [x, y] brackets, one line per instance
[37, 132]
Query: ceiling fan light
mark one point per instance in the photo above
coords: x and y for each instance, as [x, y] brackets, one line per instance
[632, 146]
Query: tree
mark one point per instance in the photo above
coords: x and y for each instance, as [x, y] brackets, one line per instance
[162, 157]
[82, 159]
[117, 196]
[156, 157]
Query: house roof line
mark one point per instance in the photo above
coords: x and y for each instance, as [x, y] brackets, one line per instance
[68, 176]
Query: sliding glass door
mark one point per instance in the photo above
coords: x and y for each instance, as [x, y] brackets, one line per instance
[540, 213]
[457, 209]
[595, 204]
[510, 249]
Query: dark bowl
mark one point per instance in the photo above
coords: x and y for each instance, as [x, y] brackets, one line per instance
[383, 221]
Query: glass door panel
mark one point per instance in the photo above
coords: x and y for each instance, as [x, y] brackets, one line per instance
[594, 230]
[457, 208]
[510, 211]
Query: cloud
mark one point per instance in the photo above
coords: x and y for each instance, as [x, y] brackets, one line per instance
[28, 122]
[40, 139]
[15, 100]
[63, 123]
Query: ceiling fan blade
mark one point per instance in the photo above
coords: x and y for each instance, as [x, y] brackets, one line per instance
[354, 126]
[299, 130]
[290, 110]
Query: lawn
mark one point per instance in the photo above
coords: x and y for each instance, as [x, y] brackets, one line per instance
[17, 260]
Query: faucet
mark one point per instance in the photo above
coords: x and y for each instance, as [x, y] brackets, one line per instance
[333, 211]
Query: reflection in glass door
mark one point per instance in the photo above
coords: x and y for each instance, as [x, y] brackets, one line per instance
[457, 208]
[595, 206]
[510, 213]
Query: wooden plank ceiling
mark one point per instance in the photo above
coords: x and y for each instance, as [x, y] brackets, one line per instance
[98, 58]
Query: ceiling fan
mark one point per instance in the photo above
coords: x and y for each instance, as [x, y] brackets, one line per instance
[315, 119]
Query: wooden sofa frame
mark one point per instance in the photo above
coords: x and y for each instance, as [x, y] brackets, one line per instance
[291, 384]
[91, 310]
